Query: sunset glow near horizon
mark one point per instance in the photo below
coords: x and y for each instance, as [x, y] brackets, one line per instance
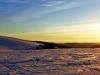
[51, 20]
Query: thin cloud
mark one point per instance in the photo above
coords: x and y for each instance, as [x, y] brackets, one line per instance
[53, 3]
[74, 29]
[46, 2]
[28, 14]
[46, 8]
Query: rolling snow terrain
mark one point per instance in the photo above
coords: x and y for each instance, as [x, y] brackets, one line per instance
[70, 61]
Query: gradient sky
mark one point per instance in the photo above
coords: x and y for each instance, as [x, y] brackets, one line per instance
[51, 20]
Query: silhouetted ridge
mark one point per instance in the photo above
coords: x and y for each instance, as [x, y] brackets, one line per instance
[50, 45]
[80, 45]
[96, 46]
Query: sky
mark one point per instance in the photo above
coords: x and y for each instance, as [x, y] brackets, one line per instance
[51, 20]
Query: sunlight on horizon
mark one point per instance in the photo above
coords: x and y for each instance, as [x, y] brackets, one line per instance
[77, 33]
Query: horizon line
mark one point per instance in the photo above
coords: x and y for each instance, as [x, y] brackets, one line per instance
[46, 41]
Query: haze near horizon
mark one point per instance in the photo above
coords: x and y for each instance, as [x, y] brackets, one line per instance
[51, 20]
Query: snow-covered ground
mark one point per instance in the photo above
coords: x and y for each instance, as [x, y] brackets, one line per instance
[72, 61]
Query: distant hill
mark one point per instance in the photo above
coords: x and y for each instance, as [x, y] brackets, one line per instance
[80, 45]
[50, 45]
[96, 46]
[17, 44]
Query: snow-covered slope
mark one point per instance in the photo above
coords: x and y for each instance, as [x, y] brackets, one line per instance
[17, 44]
[72, 61]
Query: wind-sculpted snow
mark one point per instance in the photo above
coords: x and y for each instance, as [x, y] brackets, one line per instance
[72, 61]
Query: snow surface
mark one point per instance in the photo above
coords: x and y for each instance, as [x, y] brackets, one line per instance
[72, 61]
[18, 44]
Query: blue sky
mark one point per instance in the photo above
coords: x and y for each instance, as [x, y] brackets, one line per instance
[51, 20]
